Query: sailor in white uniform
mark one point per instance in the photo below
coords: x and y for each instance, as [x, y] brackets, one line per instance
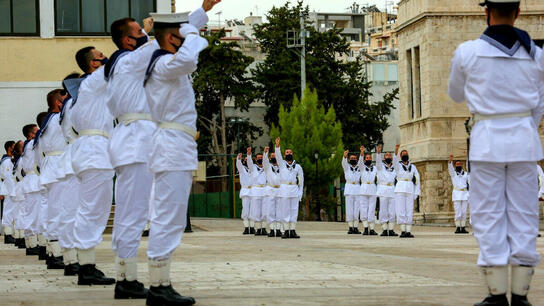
[8, 186]
[272, 200]
[245, 184]
[174, 154]
[407, 190]
[540, 181]
[18, 196]
[352, 191]
[501, 77]
[386, 192]
[459, 196]
[257, 193]
[368, 193]
[291, 190]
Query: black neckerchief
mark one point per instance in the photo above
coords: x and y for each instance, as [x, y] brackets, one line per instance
[154, 58]
[75, 89]
[291, 166]
[4, 157]
[509, 39]
[276, 169]
[409, 169]
[42, 130]
[460, 173]
[259, 168]
[110, 65]
[369, 169]
[388, 168]
[355, 169]
[16, 159]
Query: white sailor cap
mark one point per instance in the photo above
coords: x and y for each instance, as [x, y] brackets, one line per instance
[498, 2]
[169, 20]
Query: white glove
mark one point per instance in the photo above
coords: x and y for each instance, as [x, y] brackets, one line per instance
[187, 29]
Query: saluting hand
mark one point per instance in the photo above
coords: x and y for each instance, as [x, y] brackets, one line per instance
[266, 150]
[450, 159]
[379, 149]
[362, 150]
[148, 24]
[239, 155]
[207, 5]
[397, 149]
[346, 153]
[277, 142]
[249, 151]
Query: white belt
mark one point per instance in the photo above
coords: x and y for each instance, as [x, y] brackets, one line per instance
[480, 117]
[259, 186]
[274, 186]
[133, 117]
[353, 183]
[459, 189]
[92, 132]
[386, 184]
[30, 172]
[288, 183]
[368, 183]
[179, 127]
[53, 153]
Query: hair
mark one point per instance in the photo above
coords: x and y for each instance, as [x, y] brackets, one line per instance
[8, 144]
[370, 155]
[403, 152]
[52, 97]
[119, 29]
[40, 118]
[503, 10]
[457, 161]
[27, 129]
[352, 155]
[84, 57]
[162, 33]
[19, 144]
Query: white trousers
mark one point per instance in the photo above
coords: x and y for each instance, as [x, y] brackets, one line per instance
[95, 196]
[70, 203]
[58, 194]
[19, 215]
[43, 214]
[353, 206]
[368, 208]
[32, 213]
[404, 204]
[460, 208]
[169, 213]
[257, 212]
[504, 212]
[387, 210]
[132, 194]
[246, 202]
[289, 210]
[272, 209]
[9, 210]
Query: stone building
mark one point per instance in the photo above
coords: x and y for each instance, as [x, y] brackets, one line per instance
[431, 125]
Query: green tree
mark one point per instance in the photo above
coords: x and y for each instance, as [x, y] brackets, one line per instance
[308, 129]
[339, 84]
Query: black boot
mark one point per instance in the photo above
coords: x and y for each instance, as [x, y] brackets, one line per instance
[71, 269]
[258, 232]
[166, 295]
[293, 234]
[458, 230]
[494, 300]
[264, 232]
[519, 300]
[272, 233]
[42, 254]
[130, 290]
[145, 233]
[464, 230]
[278, 233]
[350, 231]
[252, 231]
[286, 234]
[90, 275]
[402, 235]
[372, 233]
[392, 233]
[20, 243]
[55, 263]
[365, 232]
[385, 233]
[8, 239]
[356, 231]
[408, 235]
[33, 251]
[246, 231]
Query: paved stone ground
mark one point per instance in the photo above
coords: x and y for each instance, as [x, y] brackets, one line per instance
[219, 266]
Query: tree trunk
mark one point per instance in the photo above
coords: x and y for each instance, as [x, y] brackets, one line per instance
[224, 165]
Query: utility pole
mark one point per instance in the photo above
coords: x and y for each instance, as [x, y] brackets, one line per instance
[302, 54]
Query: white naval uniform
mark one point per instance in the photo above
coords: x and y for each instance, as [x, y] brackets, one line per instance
[174, 154]
[245, 184]
[459, 195]
[405, 191]
[386, 193]
[257, 192]
[540, 181]
[368, 193]
[504, 151]
[93, 123]
[271, 202]
[352, 192]
[32, 190]
[291, 189]
[8, 191]
[18, 199]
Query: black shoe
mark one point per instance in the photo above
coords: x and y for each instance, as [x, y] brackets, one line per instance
[464, 230]
[71, 269]
[402, 235]
[278, 233]
[350, 231]
[385, 233]
[539, 236]
[286, 234]
[20, 243]
[55, 263]
[372, 233]
[272, 234]
[166, 295]
[264, 232]
[130, 290]
[408, 235]
[356, 231]
[8, 239]
[494, 300]
[293, 234]
[365, 232]
[246, 231]
[259, 232]
[251, 230]
[33, 251]
[519, 300]
[90, 275]
[392, 233]
[458, 230]
[42, 255]
[145, 233]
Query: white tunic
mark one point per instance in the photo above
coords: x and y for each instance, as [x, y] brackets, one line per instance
[69, 137]
[405, 175]
[171, 99]
[386, 178]
[353, 178]
[31, 181]
[273, 179]
[368, 178]
[460, 184]
[6, 174]
[90, 113]
[51, 145]
[289, 176]
[258, 179]
[494, 83]
[19, 184]
[245, 178]
[125, 95]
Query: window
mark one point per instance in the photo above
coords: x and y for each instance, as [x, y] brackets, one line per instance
[94, 17]
[417, 85]
[410, 80]
[19, 18]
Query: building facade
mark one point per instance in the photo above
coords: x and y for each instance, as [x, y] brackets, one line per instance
[431, 125]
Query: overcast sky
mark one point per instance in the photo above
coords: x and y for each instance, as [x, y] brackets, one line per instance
[240, 9]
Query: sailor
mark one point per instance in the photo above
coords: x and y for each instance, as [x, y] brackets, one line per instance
[352, 191]
[368, 192]
[245, 188]
[174, 154]
[272, 200]
[407, 190]
[459, 196]
[18, 196]
[291, 190]
[501, 77]
[386, 192]
[8, 185]
[257, 193]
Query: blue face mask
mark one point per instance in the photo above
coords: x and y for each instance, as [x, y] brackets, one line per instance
[140, 41]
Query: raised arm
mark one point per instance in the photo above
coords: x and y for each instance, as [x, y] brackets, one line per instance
[379, 163]
[239, 165]
[361, 158]
[279, 157]
[396, 159]
[345, 164]
[451, 170]
[249, 161]
[266, 163]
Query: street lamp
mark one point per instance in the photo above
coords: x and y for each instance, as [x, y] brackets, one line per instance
[237, 121]
[317, 204]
